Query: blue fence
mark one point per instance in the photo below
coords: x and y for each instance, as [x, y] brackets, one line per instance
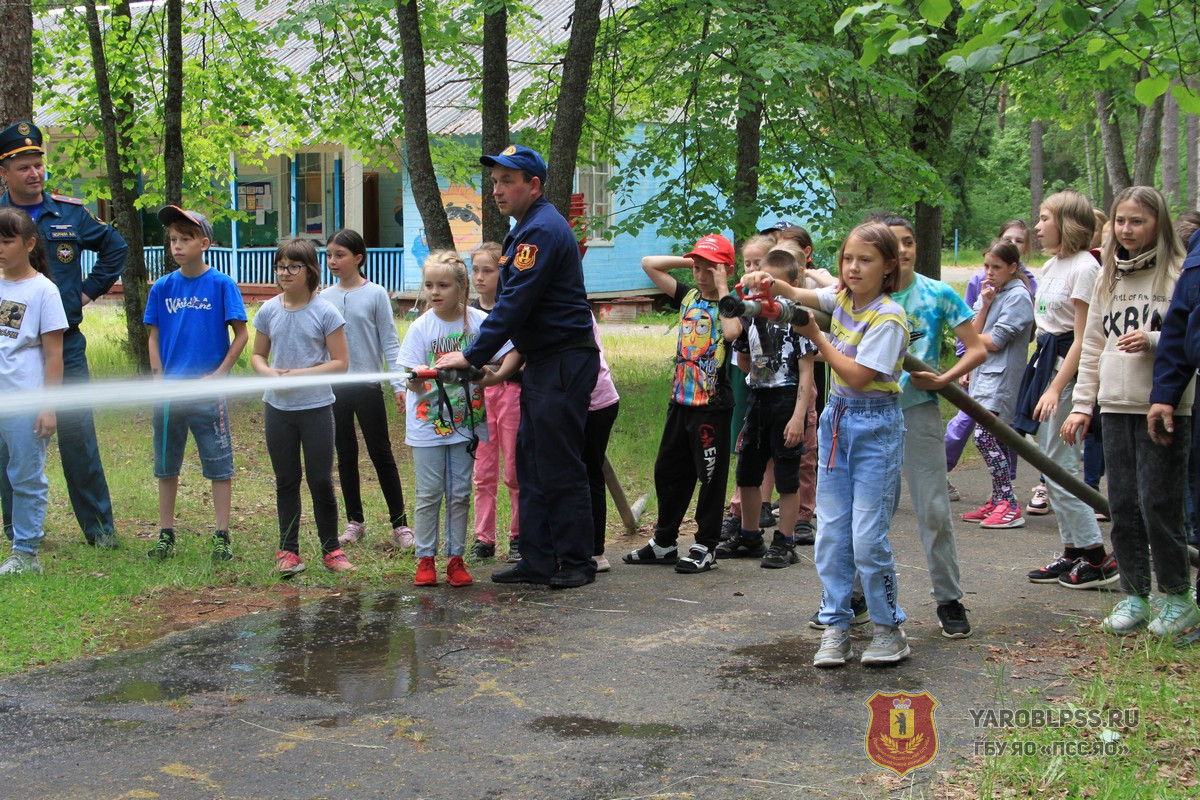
[385, 265]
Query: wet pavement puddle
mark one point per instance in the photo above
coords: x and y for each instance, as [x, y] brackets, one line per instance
[576, 727]
[356, 648]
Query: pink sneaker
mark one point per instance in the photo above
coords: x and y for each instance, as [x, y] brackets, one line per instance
[288, 564]
[354, 531]
[980, 514]
[402, 537]
[1006, 515]
[337, 562]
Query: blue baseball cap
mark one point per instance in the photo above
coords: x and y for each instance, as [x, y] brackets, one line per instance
[1193, 255]
[781, 225]
[517, 156]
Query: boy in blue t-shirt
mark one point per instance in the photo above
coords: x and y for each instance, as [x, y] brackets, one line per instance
[190, 312]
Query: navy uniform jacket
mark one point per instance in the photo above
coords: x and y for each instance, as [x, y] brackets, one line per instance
[541, 304]
[67, 229]
[1178, 354]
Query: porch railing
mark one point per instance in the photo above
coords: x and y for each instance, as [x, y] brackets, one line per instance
[385, 265]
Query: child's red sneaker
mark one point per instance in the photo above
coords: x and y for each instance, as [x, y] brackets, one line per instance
[426, 572]
[456, 572]
[337, 562]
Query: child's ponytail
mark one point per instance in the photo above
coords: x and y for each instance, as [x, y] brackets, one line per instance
[16, 224]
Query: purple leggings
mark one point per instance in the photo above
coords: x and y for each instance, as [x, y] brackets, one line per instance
[958, 431]
[995, 455]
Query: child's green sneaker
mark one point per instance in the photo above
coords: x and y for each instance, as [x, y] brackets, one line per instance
[222, 549]
[1179, 612]
[163, 549]
[1128, 616]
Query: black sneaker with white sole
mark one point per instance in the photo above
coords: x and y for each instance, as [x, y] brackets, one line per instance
[1086, 575]
[742, 547]
[857, 604]
[698, 559]
[803, 534]
[780, 554]
[953, 619]
[1053, 571]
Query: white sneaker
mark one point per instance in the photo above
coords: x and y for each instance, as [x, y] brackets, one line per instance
[890, 646]
[20, 564]
[402, 537]
[1179, 612]
[1040, 502]
[354, 531]
[834, 649]
[1128, 616]
[952, 491]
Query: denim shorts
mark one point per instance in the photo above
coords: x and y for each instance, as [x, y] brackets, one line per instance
[208, 420]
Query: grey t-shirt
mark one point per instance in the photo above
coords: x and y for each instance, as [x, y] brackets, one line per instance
[298, 341]
[370, 328]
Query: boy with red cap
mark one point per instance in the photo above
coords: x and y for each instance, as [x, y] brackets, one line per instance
[695, 440]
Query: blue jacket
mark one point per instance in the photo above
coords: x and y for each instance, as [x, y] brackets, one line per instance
[1178, 354]
[68, 228]
[541, 303]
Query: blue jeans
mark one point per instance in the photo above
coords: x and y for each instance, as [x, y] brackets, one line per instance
[442, 471]
[25, 458]
[858, 481]
[79, 453]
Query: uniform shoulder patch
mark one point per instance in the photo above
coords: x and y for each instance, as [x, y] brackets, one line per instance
[525, 257]
[62, 198]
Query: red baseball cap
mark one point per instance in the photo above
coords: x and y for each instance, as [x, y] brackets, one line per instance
[715, 248]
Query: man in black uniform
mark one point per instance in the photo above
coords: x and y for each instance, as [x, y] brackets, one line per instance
[67, 229]
[542, 307]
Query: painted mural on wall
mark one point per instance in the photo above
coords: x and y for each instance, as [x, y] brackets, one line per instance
[463, 210]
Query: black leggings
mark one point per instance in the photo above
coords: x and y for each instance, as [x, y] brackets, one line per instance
[596, 431]
[365, 401]
[288, 433]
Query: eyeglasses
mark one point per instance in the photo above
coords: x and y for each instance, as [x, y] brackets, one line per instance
[290, 269]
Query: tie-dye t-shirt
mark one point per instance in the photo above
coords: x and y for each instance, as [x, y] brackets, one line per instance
[875, 336]
[701, 354]
[931, 307]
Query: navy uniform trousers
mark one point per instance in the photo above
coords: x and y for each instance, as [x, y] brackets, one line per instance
[555, 502]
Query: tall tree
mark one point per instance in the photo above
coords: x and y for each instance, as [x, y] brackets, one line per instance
[173, 155]
[426, 193]
[1115, 165]
[572, 104]
[1037, 169]
[748, 130]
[116, 112]
[16, 54]
[1192, 148]
[494, 109]
[1170, 150]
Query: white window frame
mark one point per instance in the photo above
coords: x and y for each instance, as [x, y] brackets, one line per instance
[592, 180]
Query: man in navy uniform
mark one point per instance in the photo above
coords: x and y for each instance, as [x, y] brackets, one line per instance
[67, 229]
[542, 307]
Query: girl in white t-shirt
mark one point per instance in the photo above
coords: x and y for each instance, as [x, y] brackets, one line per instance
[444, 420]
[1064, 293]
[1146, 480]
[32, 322]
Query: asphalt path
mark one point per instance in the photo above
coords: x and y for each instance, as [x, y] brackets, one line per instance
[646, 683]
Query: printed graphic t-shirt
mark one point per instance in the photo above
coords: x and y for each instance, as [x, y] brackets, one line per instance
[28, 308]
[775, 352]
[701, 353]
[429, 422]
[192, 316]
